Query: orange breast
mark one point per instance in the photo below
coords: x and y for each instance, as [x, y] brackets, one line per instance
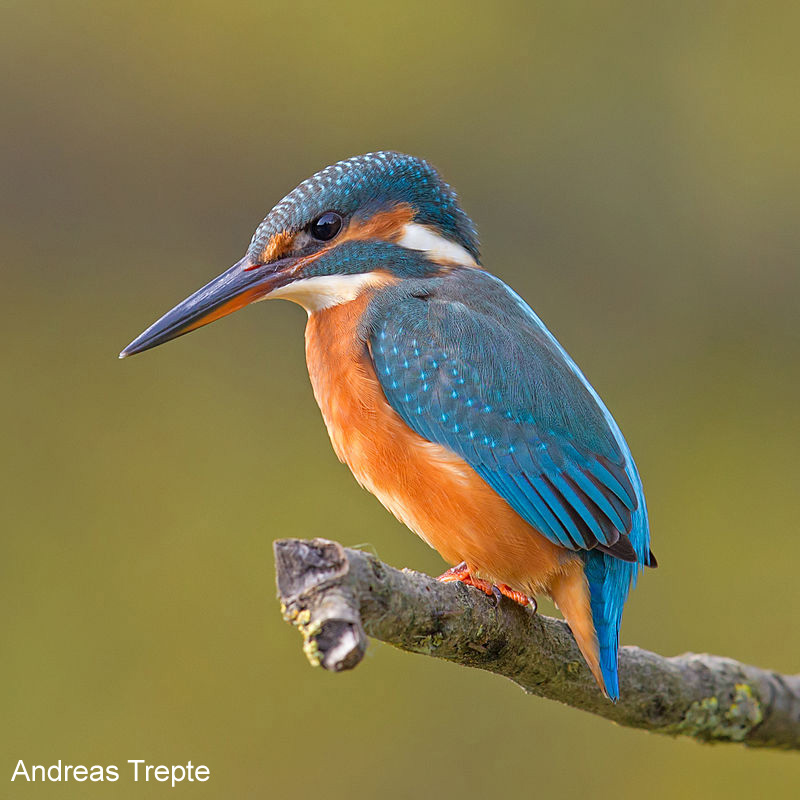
[429, 488]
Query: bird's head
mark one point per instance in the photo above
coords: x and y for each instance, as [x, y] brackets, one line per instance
[369, 220]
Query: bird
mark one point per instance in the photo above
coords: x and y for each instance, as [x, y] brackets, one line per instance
[445, 394]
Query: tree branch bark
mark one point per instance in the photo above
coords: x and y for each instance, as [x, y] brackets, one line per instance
[336, 597]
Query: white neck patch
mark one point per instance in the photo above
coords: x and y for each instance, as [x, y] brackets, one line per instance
[324, 291]
[436, 247]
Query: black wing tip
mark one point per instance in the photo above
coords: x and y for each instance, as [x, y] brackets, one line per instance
[621, 549]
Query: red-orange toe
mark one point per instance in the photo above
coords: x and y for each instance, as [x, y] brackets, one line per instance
[457, 573]
[462, 574]
[517, 597]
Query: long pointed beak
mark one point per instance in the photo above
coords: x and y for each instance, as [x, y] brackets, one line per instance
[242, 284]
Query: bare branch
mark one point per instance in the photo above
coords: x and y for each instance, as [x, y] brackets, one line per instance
[337, 596]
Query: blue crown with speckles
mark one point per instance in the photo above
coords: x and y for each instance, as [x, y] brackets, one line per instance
[367, 184]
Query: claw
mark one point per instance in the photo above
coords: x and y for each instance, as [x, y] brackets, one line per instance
[497, 595]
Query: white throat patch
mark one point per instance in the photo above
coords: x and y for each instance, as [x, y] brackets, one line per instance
[324, 291]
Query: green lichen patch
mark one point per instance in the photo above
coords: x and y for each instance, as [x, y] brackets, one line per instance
[730, 720]
[308, 630]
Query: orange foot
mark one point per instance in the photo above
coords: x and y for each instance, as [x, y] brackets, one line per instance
[462, 574]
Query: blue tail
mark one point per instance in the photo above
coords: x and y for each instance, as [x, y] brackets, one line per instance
[610, 580]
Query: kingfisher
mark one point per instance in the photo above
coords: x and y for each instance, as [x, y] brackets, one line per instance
[445, 394]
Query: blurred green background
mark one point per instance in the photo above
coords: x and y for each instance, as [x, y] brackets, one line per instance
[634, 172]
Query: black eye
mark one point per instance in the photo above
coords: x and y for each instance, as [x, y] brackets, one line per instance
[326, 226]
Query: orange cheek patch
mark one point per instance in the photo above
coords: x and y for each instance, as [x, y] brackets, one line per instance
[386, 225]
[278, 246]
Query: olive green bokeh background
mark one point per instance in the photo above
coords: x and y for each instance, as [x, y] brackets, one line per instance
[634, 172]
